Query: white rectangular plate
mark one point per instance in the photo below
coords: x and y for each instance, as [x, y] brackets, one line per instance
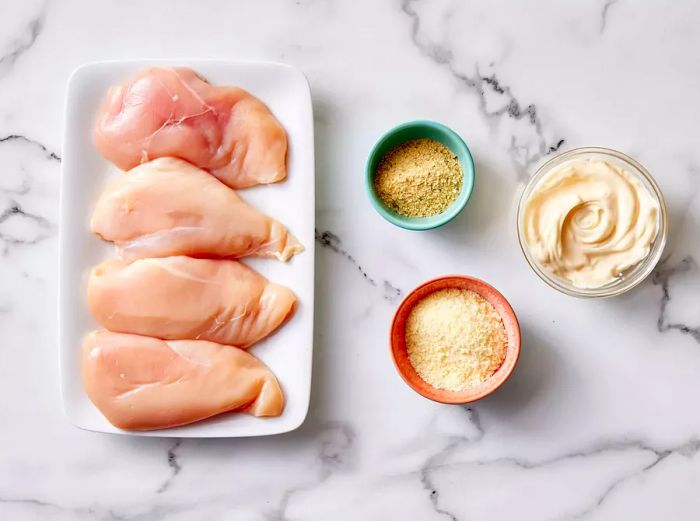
[84, 175]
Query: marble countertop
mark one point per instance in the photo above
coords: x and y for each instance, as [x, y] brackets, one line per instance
[600, 420]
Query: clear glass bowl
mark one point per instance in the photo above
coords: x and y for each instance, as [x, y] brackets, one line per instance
[632, 276]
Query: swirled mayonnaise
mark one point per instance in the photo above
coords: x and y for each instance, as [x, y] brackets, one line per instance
[589, 220]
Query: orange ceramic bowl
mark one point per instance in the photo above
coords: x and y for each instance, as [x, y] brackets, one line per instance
[399, 353]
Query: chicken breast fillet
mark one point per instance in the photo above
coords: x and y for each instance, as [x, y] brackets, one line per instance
[178, 298]
[169, 207]
[163, 112]
[143, 383]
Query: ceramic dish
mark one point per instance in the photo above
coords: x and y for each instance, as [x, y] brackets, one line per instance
[634, 275]
[85, 173]
[417, 130]
[399, 353]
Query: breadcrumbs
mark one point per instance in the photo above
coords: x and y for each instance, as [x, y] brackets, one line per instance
[455, 339]
[419, 178]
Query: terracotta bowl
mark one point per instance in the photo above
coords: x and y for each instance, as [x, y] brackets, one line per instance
[399, 353]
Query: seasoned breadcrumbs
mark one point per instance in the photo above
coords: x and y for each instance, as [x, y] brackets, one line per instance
[419, 178]
[455, 339]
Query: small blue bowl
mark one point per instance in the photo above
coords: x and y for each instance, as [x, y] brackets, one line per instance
[417, 130]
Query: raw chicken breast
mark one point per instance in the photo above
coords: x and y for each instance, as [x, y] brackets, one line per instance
[143, 383]
[169, 207]
[179, 298]
[174, 112]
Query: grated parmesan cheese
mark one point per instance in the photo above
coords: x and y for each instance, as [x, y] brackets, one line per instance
[455, 339]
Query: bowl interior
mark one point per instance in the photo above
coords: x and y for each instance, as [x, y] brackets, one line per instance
[418, 130]
[400, 353]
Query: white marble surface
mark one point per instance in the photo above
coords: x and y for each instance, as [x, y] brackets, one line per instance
[600, 420]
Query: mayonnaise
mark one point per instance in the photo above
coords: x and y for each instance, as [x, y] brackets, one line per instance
[587, 221]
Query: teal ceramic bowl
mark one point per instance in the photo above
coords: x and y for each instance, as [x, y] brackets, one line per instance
[417, 130]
